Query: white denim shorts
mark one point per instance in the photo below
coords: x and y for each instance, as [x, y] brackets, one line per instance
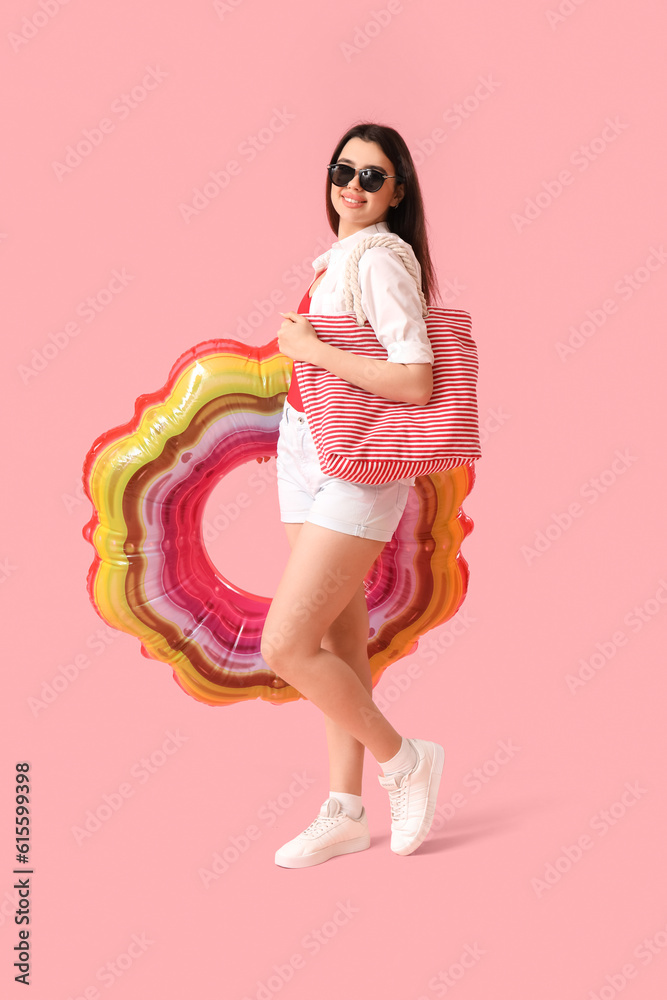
[305, 493]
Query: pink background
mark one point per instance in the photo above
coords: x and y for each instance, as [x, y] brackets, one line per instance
[473, 913]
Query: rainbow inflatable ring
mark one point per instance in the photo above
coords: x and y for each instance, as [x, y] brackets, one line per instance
[149, 481]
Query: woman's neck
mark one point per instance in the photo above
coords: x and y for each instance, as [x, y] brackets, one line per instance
[346, 228]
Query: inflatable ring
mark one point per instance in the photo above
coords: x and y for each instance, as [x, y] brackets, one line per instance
[149, 481]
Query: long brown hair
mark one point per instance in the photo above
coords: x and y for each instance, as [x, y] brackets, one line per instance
[407, 219]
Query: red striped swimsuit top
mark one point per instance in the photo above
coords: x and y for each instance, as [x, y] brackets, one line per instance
[294, 396]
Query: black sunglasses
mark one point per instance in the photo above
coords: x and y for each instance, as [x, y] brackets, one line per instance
[370, 179]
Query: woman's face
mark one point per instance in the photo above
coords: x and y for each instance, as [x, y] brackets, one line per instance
[358, 208]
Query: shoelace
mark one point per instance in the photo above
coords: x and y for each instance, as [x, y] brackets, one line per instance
[397, 800]
[320, 825]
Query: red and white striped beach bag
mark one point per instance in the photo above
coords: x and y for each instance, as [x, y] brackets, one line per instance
[364, 438]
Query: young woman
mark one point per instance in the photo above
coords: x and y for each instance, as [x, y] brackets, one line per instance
[337, 529]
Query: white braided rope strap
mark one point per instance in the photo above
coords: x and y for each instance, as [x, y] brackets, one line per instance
[351, 274]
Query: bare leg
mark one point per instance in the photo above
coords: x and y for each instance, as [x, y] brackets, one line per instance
[324, 571]
[347, 637]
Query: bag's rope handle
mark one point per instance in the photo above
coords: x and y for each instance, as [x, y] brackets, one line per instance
[351, 275]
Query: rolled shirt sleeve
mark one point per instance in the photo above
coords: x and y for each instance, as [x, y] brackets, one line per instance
[391, 303]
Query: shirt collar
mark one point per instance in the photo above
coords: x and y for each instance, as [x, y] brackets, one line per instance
[349, 241]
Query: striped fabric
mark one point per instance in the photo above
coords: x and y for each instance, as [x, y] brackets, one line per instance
[364, 438]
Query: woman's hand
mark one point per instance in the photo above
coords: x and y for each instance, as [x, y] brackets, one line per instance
[297, 338]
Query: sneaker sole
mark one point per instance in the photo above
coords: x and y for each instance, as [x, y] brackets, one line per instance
[433, 788]
[307, 860]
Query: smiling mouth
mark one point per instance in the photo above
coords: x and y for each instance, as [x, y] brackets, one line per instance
[352, 201]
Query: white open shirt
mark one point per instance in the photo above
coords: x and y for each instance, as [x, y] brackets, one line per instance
[389, 295]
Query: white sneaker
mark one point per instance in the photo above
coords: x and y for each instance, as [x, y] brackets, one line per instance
[413, 795]
[332, 833]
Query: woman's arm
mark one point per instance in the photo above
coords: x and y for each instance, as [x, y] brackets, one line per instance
[404, 383]
[389, 379]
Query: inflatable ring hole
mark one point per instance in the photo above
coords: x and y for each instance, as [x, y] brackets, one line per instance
[241, 528]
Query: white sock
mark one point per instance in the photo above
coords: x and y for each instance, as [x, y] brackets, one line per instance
[351, 804]
[405, 759]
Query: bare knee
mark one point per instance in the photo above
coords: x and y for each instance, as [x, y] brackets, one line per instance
[284, 646]
[346, 640]
[274, 648]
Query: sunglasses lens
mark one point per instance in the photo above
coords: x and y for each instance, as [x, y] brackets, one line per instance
[340, 174]
[371, 180]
